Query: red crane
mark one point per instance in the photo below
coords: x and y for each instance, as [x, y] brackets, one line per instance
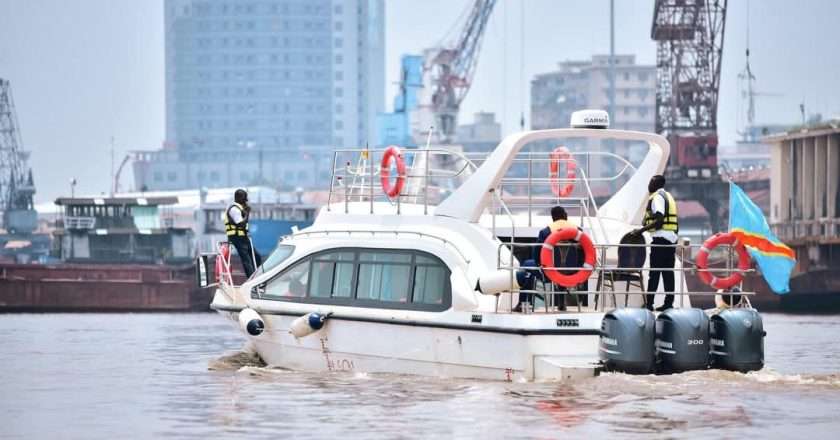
[689, 48]
[449, 71]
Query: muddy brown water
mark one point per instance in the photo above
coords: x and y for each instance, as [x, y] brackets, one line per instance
[91, 376]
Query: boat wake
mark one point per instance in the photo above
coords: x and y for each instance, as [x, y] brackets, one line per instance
[773, 377]
[245, 358]
[767, 377]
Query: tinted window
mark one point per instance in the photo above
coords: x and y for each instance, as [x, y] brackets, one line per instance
[366, 278]
[343, 280]
[332, 275]
[384, 282]
[280, 254]
[385, 257]
[291, 283]
[322, 278]
[429, 284]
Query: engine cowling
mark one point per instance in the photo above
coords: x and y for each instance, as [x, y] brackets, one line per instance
[737, 340]
[682, 340]
[626, 342]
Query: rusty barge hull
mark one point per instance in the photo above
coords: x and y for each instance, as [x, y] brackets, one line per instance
[99, 288]
[815, 292]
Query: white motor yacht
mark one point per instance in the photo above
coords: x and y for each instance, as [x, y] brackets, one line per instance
[427, 280]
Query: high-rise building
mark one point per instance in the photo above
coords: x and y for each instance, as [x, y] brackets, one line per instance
[580, 85]
[261, 91]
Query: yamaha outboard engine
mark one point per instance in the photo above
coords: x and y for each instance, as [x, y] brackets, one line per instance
[682, 340]
[737, 340]
[626, 342]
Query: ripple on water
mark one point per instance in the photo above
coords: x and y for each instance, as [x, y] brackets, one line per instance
[101, 376]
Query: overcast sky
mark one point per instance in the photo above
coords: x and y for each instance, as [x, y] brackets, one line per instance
[86, 70]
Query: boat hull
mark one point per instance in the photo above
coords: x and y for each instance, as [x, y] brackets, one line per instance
[351, 345]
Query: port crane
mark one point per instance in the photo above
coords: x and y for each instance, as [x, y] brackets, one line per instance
[689, 37]
[447, 76]
[17, 187]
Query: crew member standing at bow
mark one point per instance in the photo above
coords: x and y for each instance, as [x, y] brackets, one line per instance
[661, 219]
[236, 228]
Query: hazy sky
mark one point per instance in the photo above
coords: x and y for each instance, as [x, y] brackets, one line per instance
[86, 70]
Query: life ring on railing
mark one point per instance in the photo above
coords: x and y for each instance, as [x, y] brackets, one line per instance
[392, 152]
[547, 257]
[702, 261]
[223, 262]
[561, 154]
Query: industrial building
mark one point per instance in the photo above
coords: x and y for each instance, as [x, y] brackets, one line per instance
[805, 205]
[261, 92]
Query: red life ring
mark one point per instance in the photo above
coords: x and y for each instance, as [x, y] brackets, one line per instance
[561, 154]
[223, 262]
[547, 257]
[392, 152]
[703, 261]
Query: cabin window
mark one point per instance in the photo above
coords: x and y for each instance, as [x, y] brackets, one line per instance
[332, 275]
[429, 284]
[366, 278]
[291, 283]
[384, 276]
[280, 254]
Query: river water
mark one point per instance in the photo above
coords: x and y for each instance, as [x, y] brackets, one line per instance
[93, 376]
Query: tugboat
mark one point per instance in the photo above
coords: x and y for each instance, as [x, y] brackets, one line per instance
[410, 269]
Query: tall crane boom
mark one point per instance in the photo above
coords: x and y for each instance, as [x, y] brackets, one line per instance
[689, 48]
[689, 39]
[16, 185]
[450, 70]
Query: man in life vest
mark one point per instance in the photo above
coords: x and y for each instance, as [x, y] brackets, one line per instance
[661, 219]
[236, 228]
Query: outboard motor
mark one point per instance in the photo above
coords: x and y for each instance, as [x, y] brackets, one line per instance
[682, 340]
[737, 340]
[626, 342]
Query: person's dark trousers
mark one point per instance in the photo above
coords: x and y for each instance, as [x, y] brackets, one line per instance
[527, 279]
[661, 258]
[243, 248]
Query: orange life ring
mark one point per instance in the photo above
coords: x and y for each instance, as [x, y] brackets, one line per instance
[547, 257]
[703, 261]
[561, 154]
[223, 262]
[392, 152]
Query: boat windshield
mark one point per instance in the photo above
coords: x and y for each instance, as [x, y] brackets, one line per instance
[280, 254]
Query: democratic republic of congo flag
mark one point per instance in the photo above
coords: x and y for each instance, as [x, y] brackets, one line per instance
[747, 222]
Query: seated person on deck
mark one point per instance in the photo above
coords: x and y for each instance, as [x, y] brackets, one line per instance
[565, 256]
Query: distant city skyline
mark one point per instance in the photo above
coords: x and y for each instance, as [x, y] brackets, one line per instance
[83, 72]
[261, 92]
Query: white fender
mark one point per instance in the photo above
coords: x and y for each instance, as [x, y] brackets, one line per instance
[307, 324]
[251, 322]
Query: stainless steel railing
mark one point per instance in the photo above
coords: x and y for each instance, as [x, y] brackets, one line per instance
[356, 176]
[605, 266]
